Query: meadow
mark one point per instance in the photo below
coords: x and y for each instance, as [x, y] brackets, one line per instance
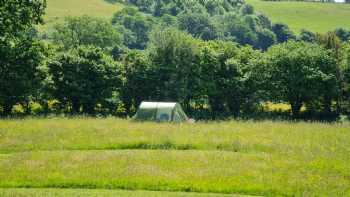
[57, 10]
[99, 192]
[91, 157]
[317, 17]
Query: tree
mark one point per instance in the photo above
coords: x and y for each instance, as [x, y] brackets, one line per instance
[227, 77]
[174, 55]
[137, 80]
[197, 24]
[233, 28]
[21, 54]
[145, 5]
[331, 42]
[86, 30]
[135, 27]
[247, 9]
[307, 36]
[19, 15]
[346, 78]
[343, 34]
[282, 32]
[266, 38]
[20, 71]
[84, 77]
[299, 72]
[158, 8]
[264, 21]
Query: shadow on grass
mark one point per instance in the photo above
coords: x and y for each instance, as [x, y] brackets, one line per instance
[235, 146]
[134, 146]
[160, 187]
[162, 146]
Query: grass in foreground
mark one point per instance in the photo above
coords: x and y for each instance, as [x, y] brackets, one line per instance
[318, 17]
[111, 134]
[254, 158]
[186, 171]
[96, 193]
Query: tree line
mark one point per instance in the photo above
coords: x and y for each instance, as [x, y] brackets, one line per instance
[162, 51]
[316, 1]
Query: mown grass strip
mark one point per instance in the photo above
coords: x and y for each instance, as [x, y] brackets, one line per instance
[184, 171]
[105, 193]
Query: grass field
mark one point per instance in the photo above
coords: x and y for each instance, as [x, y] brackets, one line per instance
[59, 9]
[233, 157]
[98, 193]
[318, 17]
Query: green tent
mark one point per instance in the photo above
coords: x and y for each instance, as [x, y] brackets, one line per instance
[160, 112]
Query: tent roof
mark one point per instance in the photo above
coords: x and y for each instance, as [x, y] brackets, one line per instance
[152, 105]
[161, 112]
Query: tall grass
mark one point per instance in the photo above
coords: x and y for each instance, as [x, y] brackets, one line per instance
[255, 158]
[99, 193]
[97, 134]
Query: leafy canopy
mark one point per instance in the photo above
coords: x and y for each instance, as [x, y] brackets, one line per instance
[84, 77]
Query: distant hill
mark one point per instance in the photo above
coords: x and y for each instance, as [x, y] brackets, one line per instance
[58, 9]
[318, 17]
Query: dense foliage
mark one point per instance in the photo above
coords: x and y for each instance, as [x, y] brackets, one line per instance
[84, 77]
[219, 59]
[19, 15]
[229, 20]
[300, 73]
[21, 53]
[85, 30]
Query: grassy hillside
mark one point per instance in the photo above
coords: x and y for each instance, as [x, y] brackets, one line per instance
[58, 9]
[318, 17]
[250, 158]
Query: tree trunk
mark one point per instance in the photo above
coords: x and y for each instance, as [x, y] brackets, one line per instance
[45, 105]
[75, 106]
[327, 106]
[217, 107]
[89, 108]
[127, 106]
[296, 106]
[7, 108]
[26, 107]
[235, 107]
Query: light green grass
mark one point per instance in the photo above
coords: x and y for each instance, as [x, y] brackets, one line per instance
[252, 158]
[101, 134]
[57, 10]
[191, 171]
[98, 193]
[318, 17]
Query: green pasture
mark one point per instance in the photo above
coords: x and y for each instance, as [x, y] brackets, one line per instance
[233, 157]
[317, 17]
[57, 10]
[98, 193]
